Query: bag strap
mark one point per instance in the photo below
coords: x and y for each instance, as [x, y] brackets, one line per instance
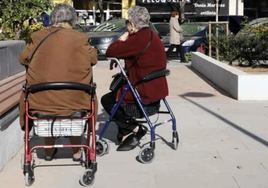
[149, 43]
[42, 43]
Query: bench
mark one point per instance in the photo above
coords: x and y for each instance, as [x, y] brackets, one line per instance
[12, 75]
[10, 89]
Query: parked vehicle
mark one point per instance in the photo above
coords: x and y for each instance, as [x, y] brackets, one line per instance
[254, 47]
[194, 34]
[254, 23]
[79, 28]
[162, 28]
[89, 27]
[84, 29]
[106, 33]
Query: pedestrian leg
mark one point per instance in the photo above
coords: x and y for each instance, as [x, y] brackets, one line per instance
[182, 54]
[170, 50]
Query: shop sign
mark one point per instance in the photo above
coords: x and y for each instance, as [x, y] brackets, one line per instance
[206, 8]
[192, 8]
[158, 1]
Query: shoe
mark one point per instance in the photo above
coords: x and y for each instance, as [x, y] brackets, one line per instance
[129, 143]
[50, 158]
[141, 132]
[184, 62]
[77, 156]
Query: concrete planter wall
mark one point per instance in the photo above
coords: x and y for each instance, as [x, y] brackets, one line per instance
[11, 141]
[240, 85]
[9, 54]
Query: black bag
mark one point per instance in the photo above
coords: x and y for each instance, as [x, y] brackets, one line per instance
[133, 109]
[117, 82]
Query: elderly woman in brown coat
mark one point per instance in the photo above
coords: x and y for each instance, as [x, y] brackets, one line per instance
[64, 56]
[175, 36]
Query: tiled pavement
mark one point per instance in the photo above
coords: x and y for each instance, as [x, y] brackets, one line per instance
[223, 144]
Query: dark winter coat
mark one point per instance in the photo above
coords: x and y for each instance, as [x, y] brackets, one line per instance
[152, 60]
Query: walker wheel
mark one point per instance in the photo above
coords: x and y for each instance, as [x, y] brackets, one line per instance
[107, 146]
[87, 178]
[146, 155]
[28, 179]
[102, 147]
[175, 140]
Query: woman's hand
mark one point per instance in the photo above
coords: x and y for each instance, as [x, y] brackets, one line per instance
[124, 36]
[113, 64]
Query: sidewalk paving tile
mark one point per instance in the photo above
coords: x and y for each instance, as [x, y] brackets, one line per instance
[223, 143]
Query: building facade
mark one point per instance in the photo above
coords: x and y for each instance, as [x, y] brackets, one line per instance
[112, 8]
[160, 10]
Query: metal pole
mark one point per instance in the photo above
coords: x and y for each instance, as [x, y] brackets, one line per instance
[217, 10]
[217, 29]
[94, 14]
[209, 46]
[108, 11]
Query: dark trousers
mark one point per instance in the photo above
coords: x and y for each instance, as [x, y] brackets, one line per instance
[108, 101]
[179, 49]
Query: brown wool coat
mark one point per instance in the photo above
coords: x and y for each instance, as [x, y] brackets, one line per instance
[152, 60]
[65, 56]
[175, 31]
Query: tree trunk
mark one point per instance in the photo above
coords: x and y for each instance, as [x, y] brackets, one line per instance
[181, 10]
[100, 3]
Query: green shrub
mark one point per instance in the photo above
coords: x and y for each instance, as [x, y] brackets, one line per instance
[188, 56]
[15, 12]
[248, 50]
[28, 30]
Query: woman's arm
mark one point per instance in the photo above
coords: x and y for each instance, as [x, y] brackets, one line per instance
[124, 49]
[177, 27]
[25, 55]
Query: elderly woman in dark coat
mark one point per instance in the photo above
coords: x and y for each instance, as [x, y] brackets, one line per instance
[128, 47]
[64, 56]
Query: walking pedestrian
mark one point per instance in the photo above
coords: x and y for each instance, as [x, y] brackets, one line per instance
[175, 37]
[44, 18]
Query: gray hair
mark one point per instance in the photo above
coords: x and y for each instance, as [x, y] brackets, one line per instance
[63, 12]
[139, 16]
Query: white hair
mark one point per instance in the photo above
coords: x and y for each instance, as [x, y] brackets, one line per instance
[139, 16]
[63, 12]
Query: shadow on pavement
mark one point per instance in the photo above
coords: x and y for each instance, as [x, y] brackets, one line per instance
[111, 131]
[237, 127]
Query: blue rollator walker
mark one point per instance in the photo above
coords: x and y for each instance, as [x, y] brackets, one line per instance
[146, 154]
